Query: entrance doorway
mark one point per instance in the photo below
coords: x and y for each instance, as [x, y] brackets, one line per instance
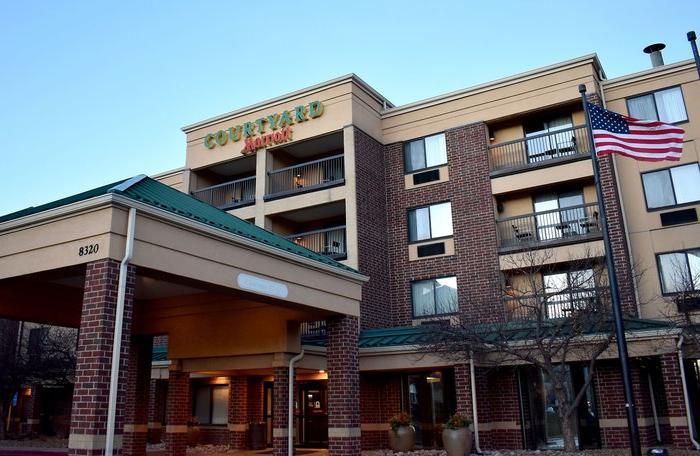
[542, 427]
[312, 414]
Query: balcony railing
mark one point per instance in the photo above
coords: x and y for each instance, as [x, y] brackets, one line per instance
[229, 194]
[556, 305]
[308, 176]
[329, 241]
[549, 227]
[313, 328]
[537, 150]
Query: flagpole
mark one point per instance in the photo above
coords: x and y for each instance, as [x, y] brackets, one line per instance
[635, 449]
[694, 47]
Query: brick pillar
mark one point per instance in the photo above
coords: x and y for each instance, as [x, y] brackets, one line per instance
[137, 394]
[238, 412]
[675, 403]
[30, 426]
[343, 386]
[177, 413]
[90, 396]
[463, 390]
[280, 406]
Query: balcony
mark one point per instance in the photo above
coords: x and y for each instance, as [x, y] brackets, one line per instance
[539, 150]
[306, 177]
[328, 241]
[540, 229]
[556, 305]
[228, 195]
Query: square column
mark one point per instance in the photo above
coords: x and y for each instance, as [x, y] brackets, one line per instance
[88, 427]
[675, 401]
[137, 394]
[238, 412]
[156, 409]
[280, 398]
[177, 413]
[343, 386]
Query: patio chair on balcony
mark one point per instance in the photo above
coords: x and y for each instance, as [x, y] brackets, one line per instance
[522, 236]
[333, 249]
[590, 222]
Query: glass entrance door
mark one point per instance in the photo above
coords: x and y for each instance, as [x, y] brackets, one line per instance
[313, 419]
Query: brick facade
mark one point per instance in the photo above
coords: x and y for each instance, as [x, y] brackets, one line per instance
[475, 262]
[137, 393]
[238, 412]
[372, 230]
[91, 392]
[380, 399]
[498, 408]
[280, 397]
[677, 431]
[177, 413]
[343, 386]
[156, 409]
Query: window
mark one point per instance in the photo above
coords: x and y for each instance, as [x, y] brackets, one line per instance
[425, 153]
[211, 404]
[434, 296]
[680, 271]
[567, 291]
[560, 215]
[672, 186]
[430, 222]
[664, 105]
[544, 143]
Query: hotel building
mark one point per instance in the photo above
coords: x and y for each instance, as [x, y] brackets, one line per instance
[431, 202]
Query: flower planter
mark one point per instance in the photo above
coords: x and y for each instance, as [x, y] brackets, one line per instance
[193, 435]
[403, 439]
[457, 442]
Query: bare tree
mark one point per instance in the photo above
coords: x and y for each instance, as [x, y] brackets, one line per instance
[44, 354]
[553, 316]
[681, 278]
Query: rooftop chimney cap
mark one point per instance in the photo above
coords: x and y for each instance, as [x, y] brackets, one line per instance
[654, 47]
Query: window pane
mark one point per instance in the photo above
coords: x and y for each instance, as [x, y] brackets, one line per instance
[694, 262]
[581, 279]
[658, 189]
[202, 404]
[642, 107]
[441, 220]
[446, 295]
[686, 183]
[435, 150]
[423, 299]
[674, 272]
[555, 283]
[219, 413]
[419, 224]
[415, 155]
[669, 103]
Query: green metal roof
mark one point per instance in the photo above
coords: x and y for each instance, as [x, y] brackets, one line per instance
[161, 196]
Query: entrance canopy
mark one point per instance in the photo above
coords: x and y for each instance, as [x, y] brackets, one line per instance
[218, 285]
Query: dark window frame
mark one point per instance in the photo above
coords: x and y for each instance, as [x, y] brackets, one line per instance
[426, 168]
[659, 272]
[430, 222]
[210, 387]
[433, 280]
[656, 109]
[673, 187]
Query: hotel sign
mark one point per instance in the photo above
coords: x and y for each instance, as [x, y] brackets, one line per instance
[265, 131]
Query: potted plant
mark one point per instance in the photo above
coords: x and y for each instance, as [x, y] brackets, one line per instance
[456, 436]
[193, 431]
[402, 435]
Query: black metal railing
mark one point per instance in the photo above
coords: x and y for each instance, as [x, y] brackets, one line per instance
[556, 305]
[313, 328]
[328, 241]
[538, 149]
[306, 176]
[532, 230]
[229, 194]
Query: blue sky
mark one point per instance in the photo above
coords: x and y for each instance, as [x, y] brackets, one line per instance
[91, 92]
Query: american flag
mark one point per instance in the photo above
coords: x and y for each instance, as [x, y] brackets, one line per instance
[645, 140]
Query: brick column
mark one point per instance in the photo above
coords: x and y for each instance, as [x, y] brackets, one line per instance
[155, 410]
[91, 392]
[280, 406]
[137, 394]
[238, 412]
[463, 390]
[675, 403]
[177, 413]
[343, 386]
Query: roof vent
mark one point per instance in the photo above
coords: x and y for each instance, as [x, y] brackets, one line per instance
[654, 51]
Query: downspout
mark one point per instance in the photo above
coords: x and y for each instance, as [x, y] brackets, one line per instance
[688, 416]
[653, 407]
[118, 323]
[475, 418]
[290, 408]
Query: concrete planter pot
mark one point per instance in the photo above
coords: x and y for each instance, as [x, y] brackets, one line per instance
[194, 433]
[457, 442]
[404, 439]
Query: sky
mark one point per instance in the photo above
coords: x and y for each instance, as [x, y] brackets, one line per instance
[93, 92]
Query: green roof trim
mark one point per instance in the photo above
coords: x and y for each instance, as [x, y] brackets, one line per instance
[156, 194]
